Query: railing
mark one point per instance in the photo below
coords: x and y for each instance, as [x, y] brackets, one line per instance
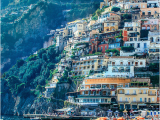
[120, 93]
[119, 65]
[130, 93]
[151, 94]
[142, 93]
[137, 101]
[123, 101]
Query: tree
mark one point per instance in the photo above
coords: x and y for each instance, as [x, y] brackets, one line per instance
[126, 16]
[115, 9]
[44, 57]
[98, 12]
[40, 52]
[13, 82]
[20, 63]
[40, 88]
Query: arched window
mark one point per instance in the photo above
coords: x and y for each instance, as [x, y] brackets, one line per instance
[151, 39]
[155, 28]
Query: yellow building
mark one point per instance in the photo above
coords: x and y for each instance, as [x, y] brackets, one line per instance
[99, 90]
[136, 97]
[79, 33]
[110, 26]
[83, 67]
[65, 32]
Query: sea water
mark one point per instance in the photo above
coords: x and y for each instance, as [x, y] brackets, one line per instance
[13, 118]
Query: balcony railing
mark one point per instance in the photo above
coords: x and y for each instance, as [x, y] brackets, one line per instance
[142, 93]
[120, 93]
[151, 94]
[137, 101]
[130, 93]
[123, 101]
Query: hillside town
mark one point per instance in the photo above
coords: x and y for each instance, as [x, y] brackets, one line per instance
[113, 58]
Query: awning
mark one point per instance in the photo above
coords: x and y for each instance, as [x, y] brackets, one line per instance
[142, 104]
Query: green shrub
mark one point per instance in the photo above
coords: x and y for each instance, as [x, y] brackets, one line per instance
[115, 9]
[127, 49]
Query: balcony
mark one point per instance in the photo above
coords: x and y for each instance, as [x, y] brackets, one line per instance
[150, 94]
[120, 65]
[123, 101]
[137, 101]
[120, 93]
[130, 93]
[142, 93]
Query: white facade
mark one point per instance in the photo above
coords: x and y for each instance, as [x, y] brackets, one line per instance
[123, 66]
[123, 53]
[154, 37]
[140, 46]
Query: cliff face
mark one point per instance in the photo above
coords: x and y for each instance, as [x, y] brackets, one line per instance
[19, 105]
[26, 34]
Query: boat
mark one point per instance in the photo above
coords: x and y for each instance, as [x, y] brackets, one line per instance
[36, 118]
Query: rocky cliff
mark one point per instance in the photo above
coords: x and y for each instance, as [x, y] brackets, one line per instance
[19, 105]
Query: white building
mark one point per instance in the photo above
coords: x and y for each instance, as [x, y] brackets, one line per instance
[154, 37]
[123, 66]
[140, 46]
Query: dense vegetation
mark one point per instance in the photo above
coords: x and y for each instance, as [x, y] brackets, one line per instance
[53, 17]
[114, 51]
[37, 70]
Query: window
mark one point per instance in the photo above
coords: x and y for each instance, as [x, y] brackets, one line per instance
[134, 92]
[136, 63]
[145, 99]
[155, 28]
[120, 98]
[141, 63]
[126, 99]
[149, 12]
[135, 17]
[140, 99]
[135, 39]
[92, 92]
[98, 48]
[149, 99]
[105, 47]
[143, 13]
[131, 39]
[152, 99]
[128, 63]
[138, 45]
[79, 33]
[121, 63]
[97, 100]
[144, 91]
[134, 99]
[145, 45]
[101, 47]
[120, 91]
[127, 91]
[97, 92]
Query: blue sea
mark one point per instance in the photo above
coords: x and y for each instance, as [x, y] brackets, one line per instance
[13, 118]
